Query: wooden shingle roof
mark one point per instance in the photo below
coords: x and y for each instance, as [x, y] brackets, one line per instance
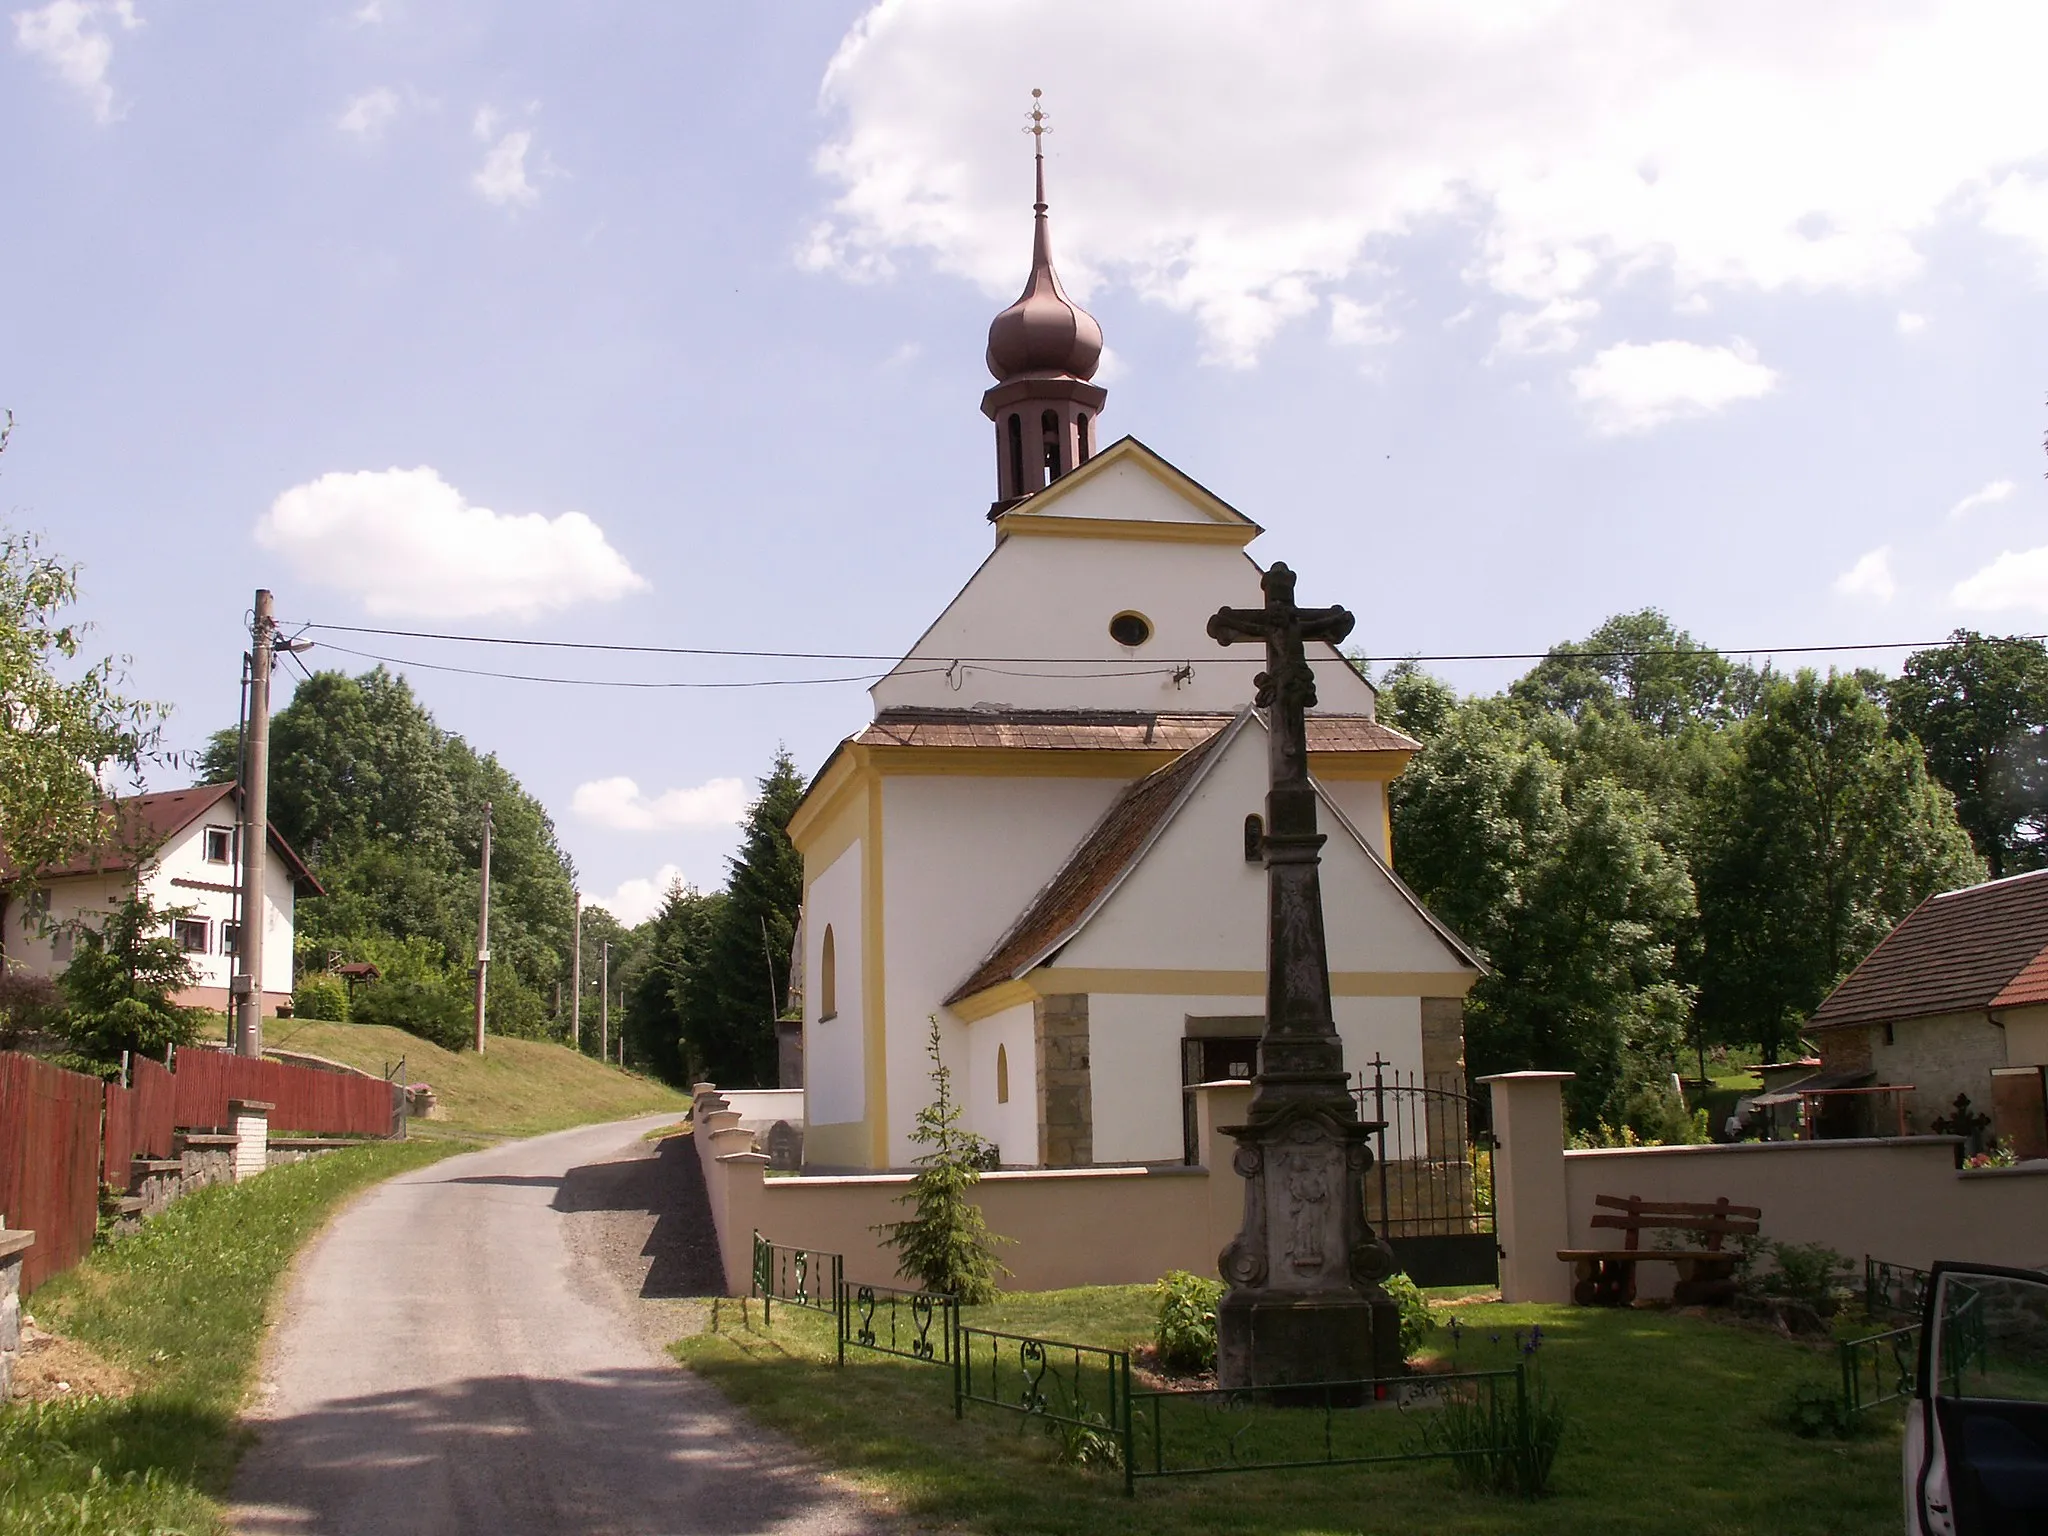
[1125, 730]
[1985, 946]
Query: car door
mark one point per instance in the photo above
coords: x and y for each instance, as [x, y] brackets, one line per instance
[1976, 1453]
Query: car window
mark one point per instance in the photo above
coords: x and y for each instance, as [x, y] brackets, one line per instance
[1994, 1339]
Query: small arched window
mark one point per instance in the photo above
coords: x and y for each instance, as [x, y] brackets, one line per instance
[1081, 449]
[1049, 426]
[1016, 454]
[828, 978]
[1002, 1075]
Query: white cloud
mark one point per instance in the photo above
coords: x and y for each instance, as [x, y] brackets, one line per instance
[1636, 386]
[619, 804]
[1909, 323]
[71, 38]
[1554, 327]
[635, 901]
[1870, 577]
[1353, 324]
[1746, 145]
[405, 541]
[2018, 206]
[2016, 579]
[1983, 496]
[502, 177]
[368, 115]
[369, 14]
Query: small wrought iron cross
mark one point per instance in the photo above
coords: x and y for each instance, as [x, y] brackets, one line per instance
[1288, 685]
[1039, 127]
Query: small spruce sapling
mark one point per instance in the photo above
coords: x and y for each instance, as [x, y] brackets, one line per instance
[946, 1245]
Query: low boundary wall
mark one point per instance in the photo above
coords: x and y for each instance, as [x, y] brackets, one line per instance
[1904, 1198]
[1068, 1227]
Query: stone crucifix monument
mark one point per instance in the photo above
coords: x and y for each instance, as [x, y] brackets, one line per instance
[1305, 1302]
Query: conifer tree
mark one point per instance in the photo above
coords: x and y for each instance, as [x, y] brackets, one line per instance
[946, 1246]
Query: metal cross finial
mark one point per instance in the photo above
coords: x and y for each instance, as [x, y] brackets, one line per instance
[1039, 128]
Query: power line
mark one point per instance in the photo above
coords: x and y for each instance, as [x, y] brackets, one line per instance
[942, 663]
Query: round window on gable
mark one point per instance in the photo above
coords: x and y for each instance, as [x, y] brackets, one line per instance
[1130, 629]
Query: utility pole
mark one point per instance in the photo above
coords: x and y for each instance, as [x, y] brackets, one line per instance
[483, 928]
[576, 981]
[255, 834]
[604, 1003]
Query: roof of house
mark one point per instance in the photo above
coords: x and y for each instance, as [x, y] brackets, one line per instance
[1125, 730]
[1985, 946]
[142, 824]
[1093, 869]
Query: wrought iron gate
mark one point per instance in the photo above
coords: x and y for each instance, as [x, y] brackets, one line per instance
[1430, 1192]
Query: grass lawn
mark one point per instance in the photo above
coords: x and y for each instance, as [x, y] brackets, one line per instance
[181, 1305]
[516, 1088]
[1673, 1427]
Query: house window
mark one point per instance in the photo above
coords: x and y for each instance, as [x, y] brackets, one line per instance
[231, 938]
[191, 934]
[62, 944]
[1002, 1075]
[220, 845]
[828, 978]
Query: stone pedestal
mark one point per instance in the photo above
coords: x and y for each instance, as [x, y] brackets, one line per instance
[14, 1247]
[1305, 1303]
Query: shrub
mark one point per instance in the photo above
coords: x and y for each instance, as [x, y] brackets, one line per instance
[1186, 1331]
[29, 1005]
[1815, 1409]
[946, 1245]
[431, 1009]
[320, 996]
[1416, 1321]
[1812, 1274]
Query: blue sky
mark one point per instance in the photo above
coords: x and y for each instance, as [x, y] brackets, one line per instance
[663, 325]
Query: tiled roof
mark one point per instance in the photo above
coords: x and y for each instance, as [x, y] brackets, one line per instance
[1984, 946]
[141, 824]
[1116, 730]
[1091, 870]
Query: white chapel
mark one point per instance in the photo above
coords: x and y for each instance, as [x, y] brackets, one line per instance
[1041, 838]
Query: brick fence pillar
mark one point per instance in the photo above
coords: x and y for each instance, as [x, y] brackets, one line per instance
[250, 1119]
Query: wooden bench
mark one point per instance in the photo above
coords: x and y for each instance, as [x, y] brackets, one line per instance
[1606, 1277]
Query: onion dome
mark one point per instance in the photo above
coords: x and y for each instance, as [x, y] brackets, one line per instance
[1044, 332]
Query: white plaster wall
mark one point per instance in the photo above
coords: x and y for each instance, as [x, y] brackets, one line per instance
[1194, 903]
[1134, 1045]
[1013, 1127]
[26, 946]
[1363, 802]
[1037, 597]
[181, 877]
[2026, 1037]
[835, 1083]
[961, 858]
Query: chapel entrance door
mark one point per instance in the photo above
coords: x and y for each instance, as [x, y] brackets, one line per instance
[1212, 1059]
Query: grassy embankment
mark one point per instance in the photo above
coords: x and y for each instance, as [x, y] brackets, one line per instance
[1673, 1427]
[516, 1088]
[180, 1306]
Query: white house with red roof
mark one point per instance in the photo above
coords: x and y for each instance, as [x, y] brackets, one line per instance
[180, 848]
[1040, 840]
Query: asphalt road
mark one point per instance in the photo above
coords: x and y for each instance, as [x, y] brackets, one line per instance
[449, 1361]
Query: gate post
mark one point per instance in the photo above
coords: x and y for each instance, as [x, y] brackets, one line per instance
[1531, 1217]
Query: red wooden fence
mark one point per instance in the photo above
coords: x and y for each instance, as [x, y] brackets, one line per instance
[304, 1099]
[49, 1162]
[62, 1134]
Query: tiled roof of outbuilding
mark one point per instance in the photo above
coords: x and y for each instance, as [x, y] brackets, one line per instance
[1985, 946]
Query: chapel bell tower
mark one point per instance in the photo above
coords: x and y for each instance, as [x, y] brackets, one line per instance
[1043, 350]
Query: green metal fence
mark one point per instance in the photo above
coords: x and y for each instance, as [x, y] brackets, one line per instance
[1879, 1368]
[797, 1277]
[914, 1325]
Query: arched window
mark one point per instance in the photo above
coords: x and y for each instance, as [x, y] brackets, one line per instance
[1049, 425]
[1002, 1075]
[1081, 449]
[828, 979]
[1016, 486]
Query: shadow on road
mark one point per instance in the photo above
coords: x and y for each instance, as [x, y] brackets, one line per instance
[623, 1451]
[683, 1246]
